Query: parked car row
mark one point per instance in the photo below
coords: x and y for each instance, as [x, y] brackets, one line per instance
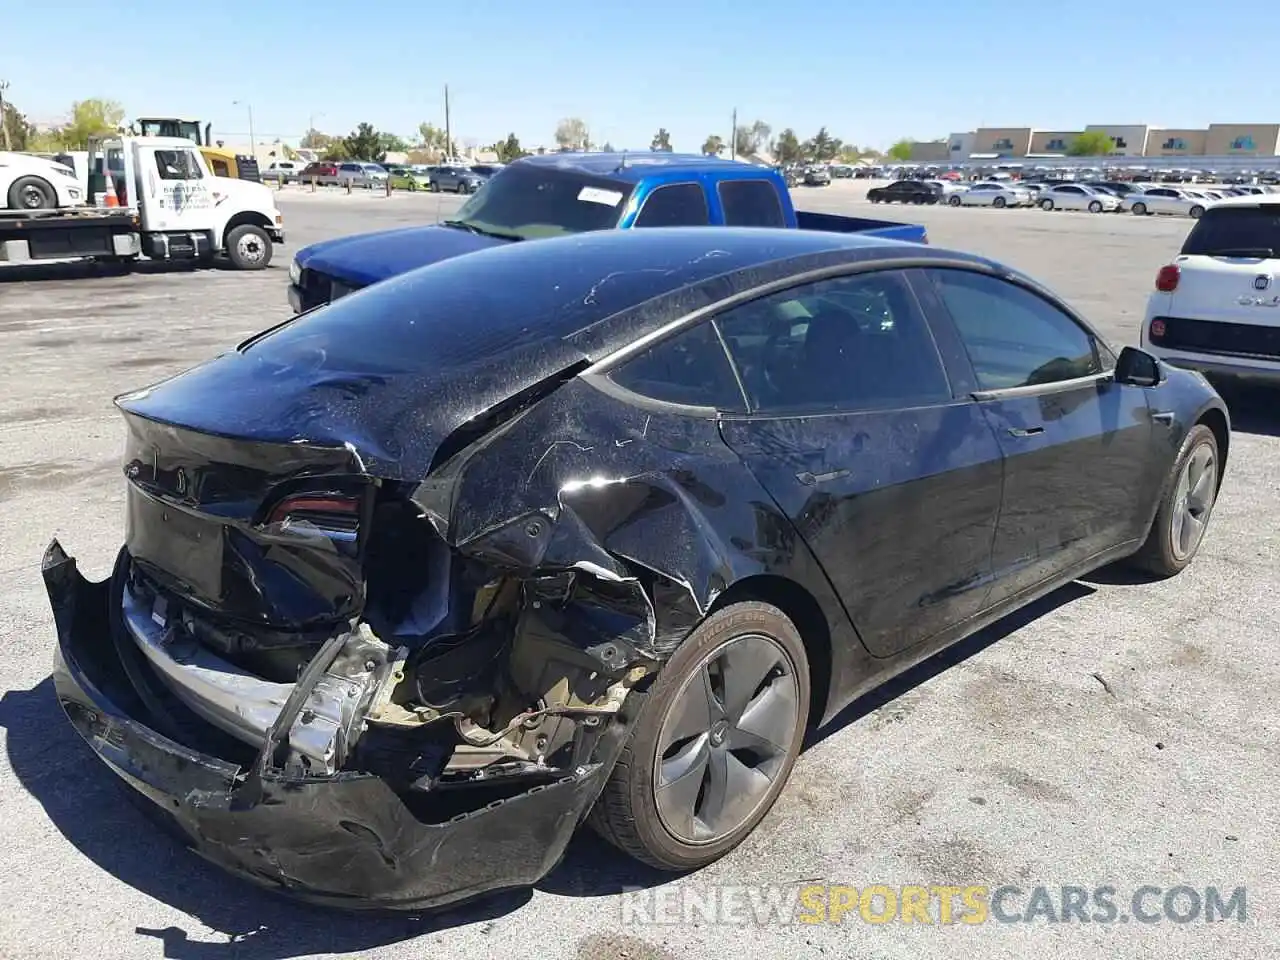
[1098, 196]
[457, 178]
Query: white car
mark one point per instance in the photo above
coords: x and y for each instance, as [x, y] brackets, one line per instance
[34, 183]
[1171, 200]
[946, 188]
[991, 194]
[286, 171]
[1077, 196]
[1216, 307]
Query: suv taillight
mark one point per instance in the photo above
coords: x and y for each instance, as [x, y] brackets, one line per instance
[1167, 278]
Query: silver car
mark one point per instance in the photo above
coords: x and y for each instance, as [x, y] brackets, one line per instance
[1077, 196]
[991, 194]
[360, 174]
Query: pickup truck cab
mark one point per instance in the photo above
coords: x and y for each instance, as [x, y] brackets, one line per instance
[563, 193]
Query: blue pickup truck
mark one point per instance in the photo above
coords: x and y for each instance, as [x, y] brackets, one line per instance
[555, 194]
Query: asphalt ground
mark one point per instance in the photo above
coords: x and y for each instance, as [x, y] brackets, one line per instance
[1117, 733]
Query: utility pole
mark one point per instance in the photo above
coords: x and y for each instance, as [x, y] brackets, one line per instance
[253, 142]
[448, 136]
[4, 127]
[733, 136]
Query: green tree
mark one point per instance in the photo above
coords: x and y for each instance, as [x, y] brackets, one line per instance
[364, 143]
[661, 142]
[713, 146]
[313, 139]
[901, 151]
[435, 142]
[509, 149]
[571, 134]
[748, 141]
[787, 148]
[90, 118]
[391, 143]
[822, 148]
[17, 132]
[1091, 143]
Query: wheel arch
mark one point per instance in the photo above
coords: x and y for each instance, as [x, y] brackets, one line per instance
[803, 609]
[244, 217]
[1216, 420]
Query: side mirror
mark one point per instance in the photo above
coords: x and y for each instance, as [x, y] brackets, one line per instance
[1138, 368]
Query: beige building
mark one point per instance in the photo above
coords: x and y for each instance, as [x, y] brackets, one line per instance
[1127, 139]
[1052, 141]
[1176, 143]
[930, 151]
[1001, 141]
[1243, 139]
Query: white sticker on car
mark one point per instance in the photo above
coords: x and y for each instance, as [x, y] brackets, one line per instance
[610, 198]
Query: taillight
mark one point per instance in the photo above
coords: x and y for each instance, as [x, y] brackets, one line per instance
[1167, 278]
[1157, 329]
[331, 515]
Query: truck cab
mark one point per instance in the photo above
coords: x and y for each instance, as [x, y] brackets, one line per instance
[563, 193]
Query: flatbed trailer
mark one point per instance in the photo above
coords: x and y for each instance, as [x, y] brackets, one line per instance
[100, 234]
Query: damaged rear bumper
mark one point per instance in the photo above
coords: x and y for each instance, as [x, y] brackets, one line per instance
[349, 839]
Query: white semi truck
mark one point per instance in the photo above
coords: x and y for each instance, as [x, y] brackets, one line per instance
[170, 207]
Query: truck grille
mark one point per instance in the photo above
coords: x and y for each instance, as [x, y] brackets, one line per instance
[318, 289]
[1226, 339]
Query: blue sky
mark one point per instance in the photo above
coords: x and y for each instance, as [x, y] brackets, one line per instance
[870, 72]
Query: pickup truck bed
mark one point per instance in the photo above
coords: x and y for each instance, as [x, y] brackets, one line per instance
[836, 223]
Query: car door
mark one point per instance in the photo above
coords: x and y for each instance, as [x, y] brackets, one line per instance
[856, 431]
[1162, 200]
[1079, 461]
[1073, 198]
[177, 192]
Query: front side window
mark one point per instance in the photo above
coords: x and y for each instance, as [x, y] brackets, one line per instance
[1014, 337]
[688, 368]
[177, 165]
[675, 205]
[750, 203]
[845, 344]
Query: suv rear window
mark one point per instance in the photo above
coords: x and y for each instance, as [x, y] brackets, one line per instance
[1236, 231]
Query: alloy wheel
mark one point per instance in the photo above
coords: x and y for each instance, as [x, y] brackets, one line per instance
[725, 739]
[1193, 501]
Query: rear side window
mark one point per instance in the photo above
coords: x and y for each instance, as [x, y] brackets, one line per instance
[750, 203]
[675, 205]
[1236, 231]
[689, 368]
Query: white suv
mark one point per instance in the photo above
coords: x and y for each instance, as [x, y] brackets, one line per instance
[1216, 308]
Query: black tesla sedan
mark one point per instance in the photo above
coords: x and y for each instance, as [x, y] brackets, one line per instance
[593, 528]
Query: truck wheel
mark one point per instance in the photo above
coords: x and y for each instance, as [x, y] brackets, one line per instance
[249, 247]
[713, 746]
[32, 193]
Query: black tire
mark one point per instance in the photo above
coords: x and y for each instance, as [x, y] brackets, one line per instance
[626, 813]
[461, 188]
[954, 200]
[1046, 204]
[1095, 206]
[1159, 555]
[1195, 213]
[873, 199]
[1139, 209]
[433, 186]
[32, 193]
[998, 203]
[249, 247]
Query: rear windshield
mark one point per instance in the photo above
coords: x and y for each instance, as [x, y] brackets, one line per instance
[1236, 231]
[530, 201]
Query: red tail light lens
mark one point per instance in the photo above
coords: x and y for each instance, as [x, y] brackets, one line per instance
[333, 515]
[1167, 278]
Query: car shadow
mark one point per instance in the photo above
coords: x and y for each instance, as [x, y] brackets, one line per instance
[87, 269]
[1253, 408]
[91, 808]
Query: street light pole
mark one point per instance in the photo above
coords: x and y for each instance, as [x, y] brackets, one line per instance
[253, 141]
[733, 136]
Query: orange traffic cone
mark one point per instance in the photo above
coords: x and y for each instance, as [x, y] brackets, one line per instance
[112, 199]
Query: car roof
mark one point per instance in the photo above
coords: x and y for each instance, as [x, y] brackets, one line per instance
[1251, 200]
[634, 167]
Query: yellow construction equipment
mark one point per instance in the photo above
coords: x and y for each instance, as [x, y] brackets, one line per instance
[222, 162]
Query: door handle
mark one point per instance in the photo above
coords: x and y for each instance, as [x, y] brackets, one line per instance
[1025, 431]
[1164, 416]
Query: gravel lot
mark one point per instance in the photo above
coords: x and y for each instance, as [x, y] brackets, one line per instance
[1118, 733]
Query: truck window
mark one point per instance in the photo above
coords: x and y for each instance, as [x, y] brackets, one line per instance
[177, 165]
[675, 205]
[750, 203]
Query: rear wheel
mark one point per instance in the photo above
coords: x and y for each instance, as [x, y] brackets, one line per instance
[1046, 204]
[1095, 206]
[1187, 500]
[1196, 213]
[954, 201]
[249, 247]
[32, 193]
[715, 743]
[998, 202]
[1140, 209]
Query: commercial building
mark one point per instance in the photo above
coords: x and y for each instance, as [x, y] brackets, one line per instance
[1174, 142]
[990, 143]
[1051, 142]
[929, 151]
[1219, 140]
[960, 145]
[1243, 139]
[1127, 139]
